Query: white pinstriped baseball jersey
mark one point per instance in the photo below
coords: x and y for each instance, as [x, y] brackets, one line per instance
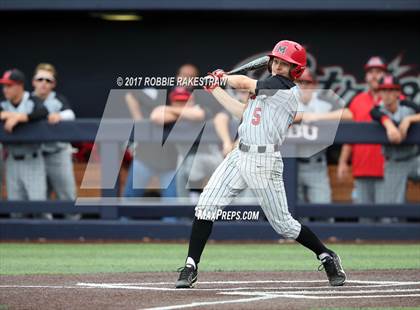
[269, 115]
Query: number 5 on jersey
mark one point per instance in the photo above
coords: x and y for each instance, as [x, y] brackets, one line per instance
[256, 117]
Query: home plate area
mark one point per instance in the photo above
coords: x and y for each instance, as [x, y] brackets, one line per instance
[245, 292]
[222, 290]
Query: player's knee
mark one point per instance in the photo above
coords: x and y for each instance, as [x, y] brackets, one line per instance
[289, 229]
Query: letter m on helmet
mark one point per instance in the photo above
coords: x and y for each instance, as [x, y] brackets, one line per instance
[282, 49]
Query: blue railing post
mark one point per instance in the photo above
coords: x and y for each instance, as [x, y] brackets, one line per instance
[110, 160]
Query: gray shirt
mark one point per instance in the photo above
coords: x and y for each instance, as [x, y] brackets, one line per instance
[33, 107]
[57, 104]
[315, 105]
[404, 109]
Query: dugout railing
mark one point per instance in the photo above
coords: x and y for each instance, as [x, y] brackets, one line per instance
[110, 226]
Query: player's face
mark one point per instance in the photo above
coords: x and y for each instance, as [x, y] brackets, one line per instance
[13, 92]
[43, 82]
[280, 67]
[389, 96]
[187, 71]
[373, 76]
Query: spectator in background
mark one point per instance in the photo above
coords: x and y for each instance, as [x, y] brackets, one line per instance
[57, 155]
[26, 179]
[313, 178]
[197, 163]
[396, 117]
[187, 71]
[367, 159]
[148, 159]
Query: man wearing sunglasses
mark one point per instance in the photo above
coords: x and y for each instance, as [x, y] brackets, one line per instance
[57, 155]
[24, 165]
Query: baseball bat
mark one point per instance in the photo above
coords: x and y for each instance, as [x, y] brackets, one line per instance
[252, 65]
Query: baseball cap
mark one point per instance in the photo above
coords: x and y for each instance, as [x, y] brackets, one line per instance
[13, 76]
[376, 62]
[389, 82]
[179, 94]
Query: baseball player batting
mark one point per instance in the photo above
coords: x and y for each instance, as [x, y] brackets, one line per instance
[256, 163]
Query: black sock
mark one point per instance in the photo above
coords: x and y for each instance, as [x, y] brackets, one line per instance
[200, 232]
[309, 240]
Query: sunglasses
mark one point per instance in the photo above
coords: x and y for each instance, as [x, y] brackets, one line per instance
[49, 81]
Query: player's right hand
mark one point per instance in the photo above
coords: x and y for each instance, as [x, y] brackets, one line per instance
[213, 79]
[219, 73]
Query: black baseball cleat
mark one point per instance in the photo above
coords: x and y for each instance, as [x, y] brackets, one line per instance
[334, 270]
[187, 277]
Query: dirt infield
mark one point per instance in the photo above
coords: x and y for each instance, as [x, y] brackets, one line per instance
[221, 290]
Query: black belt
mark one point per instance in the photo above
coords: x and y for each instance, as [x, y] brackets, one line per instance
[401, 159]
[308, 160]
[260, 149]
[23, 157]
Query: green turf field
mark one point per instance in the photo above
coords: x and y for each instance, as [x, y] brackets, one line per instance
[31, 258]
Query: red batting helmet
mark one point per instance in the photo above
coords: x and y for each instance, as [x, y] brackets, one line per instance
[291, 52]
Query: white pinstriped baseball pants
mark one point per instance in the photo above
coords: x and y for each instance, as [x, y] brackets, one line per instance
[263, 174]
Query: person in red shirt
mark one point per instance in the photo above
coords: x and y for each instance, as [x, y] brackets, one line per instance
[366, 159]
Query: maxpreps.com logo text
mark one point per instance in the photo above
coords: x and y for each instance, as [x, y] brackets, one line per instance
[213, 215]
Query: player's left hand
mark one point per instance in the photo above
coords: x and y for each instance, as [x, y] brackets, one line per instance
[403, 127]
[10, 123]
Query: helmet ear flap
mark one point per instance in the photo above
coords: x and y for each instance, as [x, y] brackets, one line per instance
[297, 71]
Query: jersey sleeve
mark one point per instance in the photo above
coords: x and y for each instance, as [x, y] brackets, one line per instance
[39, 111]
